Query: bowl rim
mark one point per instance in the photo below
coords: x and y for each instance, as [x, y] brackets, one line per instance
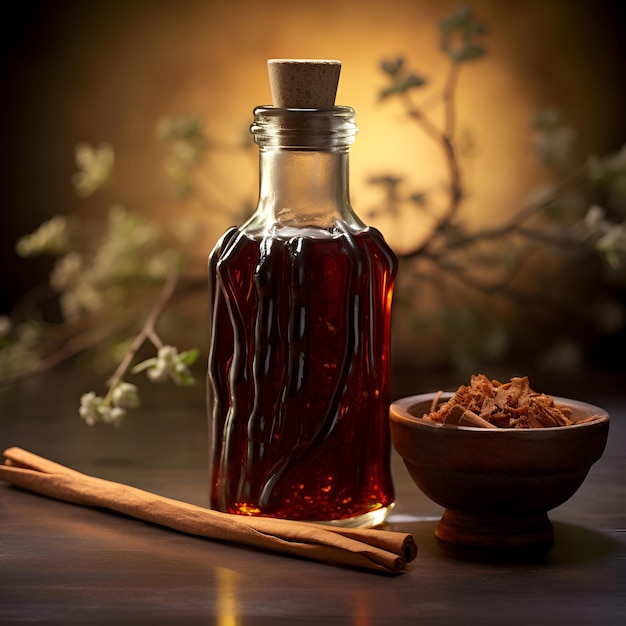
[398, 411]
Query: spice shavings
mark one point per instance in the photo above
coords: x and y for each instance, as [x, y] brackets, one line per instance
[491, 404]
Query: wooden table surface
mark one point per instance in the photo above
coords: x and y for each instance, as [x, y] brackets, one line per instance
[64, 564]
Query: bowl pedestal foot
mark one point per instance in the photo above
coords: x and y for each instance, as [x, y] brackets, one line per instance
[494, 531]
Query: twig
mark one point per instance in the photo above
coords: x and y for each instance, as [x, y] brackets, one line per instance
[73, 346]
[513, 225]
[572, 181]
[79, 337]
[147, 332]
[445, 139]
[448, 100]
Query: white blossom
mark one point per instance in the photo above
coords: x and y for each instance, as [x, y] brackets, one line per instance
[95, 167]
[94, 409]
[612, 244]
[187, 145]
[159, 372]
[608, 238]
[169, 363]
[67, 271]
[91, 408]
[165, 366]
[555, 147]
[125, 396]
[609, 167]
[17, 353]
[5, 325]
[594, 219]
[113, 416]
[51, 237]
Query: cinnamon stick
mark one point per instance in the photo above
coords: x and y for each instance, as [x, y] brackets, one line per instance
[372, 549]
[464, 417]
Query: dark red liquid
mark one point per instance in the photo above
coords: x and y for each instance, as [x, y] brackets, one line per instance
[299, 375]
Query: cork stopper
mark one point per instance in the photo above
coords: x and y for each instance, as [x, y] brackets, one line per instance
[303, 83]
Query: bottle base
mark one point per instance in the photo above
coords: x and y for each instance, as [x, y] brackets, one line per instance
[366, 520]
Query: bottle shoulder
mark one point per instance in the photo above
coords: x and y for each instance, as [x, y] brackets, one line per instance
[238, 245]
[287, 223]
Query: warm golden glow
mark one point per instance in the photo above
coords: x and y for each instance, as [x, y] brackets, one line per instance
[109, 73]
[226, 590]
[210, 59]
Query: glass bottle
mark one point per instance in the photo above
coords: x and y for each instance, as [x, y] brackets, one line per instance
[300, 303]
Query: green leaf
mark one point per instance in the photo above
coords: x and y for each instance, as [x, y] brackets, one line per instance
[393, 66]
[144, 365]
[469, 53]
[410, 81]
[189, 357]
[458, 36]
[184, 379]
[385, 93]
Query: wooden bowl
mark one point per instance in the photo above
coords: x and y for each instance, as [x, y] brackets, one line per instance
[496, 485]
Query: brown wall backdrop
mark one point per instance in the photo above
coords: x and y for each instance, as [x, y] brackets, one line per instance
[109, 70]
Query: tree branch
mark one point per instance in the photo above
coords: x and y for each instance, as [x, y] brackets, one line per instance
[147, 332]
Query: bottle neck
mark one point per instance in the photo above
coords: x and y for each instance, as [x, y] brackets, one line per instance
[304, 171]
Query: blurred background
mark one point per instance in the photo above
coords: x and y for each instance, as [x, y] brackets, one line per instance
[121, 73]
